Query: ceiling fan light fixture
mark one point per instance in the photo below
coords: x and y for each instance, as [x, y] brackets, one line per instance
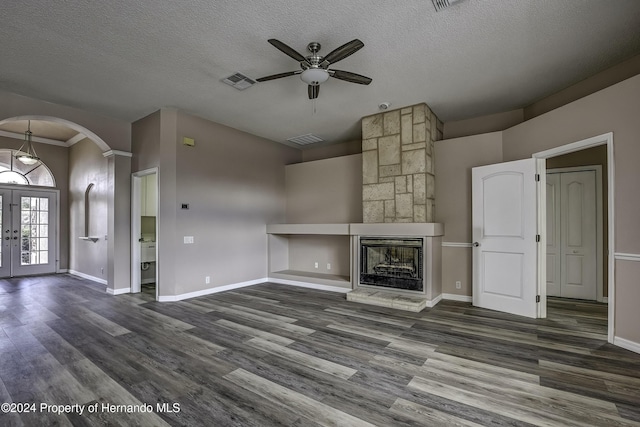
[314, 76]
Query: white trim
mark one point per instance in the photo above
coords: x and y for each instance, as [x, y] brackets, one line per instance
[87, 276]
[111, 153]
[621, 256]
[63, 270]
[607, 139]
[39, 139]
[456, 245]
[309, 285]
[627, 344]
[575, 146]
[432, 303]
[75, 139]
[599, 222]
[118, 291]
[605, 300]
[149, 280]
[136, 228]
[457, 297]
[171, 298]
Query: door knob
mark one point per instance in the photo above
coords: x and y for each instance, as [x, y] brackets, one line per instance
[476, 244]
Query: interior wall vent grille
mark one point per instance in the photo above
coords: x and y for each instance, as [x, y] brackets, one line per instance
[305, 139]
[443, 4]
[239, 81]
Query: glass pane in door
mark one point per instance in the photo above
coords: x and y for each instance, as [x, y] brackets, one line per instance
[34, 244]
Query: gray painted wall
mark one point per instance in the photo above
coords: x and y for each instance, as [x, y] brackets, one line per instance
[87, 166]
[234, 184]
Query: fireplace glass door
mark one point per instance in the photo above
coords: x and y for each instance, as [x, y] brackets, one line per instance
[392, 263]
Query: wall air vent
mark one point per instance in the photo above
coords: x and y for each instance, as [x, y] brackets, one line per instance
[443, 4]
[305, 139]
[239, 81]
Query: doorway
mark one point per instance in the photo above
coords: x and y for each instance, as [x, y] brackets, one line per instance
[28, 220]
[144, 232]
[605, 140]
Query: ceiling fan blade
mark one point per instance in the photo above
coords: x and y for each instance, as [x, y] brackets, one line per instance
[313, 90]
[287, 50]
[278, 76]
[343, 51]
[350, 77]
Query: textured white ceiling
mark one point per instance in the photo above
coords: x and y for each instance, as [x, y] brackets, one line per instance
[126, 59]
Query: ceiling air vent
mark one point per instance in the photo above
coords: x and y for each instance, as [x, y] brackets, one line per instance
[239, 81]
[443, 4]
[305, 139]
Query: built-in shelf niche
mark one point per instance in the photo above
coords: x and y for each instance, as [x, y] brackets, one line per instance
[294, 249]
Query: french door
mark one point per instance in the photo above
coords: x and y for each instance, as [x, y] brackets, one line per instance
[28, 221]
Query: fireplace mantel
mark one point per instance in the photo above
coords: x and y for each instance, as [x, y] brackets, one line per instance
[432, 229]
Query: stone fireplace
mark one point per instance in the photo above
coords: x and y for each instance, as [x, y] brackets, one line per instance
[398, 244]
[397, 165]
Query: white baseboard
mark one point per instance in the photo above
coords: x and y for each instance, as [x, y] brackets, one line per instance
[147, 281]
[433, 302]
[172, 298]
[63, 270]
[456, 297]
[605, 300]
[88, 277]
[627, 344]
[118, 291]
[310, 285]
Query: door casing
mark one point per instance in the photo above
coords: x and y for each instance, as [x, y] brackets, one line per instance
[604, 139]
[136, 209]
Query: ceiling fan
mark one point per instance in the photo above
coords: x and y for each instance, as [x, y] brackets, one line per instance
[314, 69]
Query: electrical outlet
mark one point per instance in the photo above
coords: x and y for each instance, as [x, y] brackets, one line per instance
[316, 265]
[102, 271]
[328, 266]
[458, 284]
[207, 280]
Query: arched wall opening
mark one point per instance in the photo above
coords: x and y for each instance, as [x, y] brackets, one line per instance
[83, 159]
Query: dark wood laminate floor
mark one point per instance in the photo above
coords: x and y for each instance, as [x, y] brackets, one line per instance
[277, 355]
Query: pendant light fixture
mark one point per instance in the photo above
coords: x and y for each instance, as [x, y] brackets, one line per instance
[27, 154]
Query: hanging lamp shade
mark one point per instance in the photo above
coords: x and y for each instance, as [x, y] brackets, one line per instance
[26, 153]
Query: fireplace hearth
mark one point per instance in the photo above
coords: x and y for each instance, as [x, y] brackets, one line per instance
[395, 263]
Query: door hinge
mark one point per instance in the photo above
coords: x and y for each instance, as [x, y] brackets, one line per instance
[537, 298]
[537, 177]
[537, 238]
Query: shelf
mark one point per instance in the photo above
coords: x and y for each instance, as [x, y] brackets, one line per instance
[326, 229]
[311, 277]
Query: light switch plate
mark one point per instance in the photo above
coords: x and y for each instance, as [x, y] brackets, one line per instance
[188, 240]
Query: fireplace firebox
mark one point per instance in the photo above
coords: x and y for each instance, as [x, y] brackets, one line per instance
[392, 262]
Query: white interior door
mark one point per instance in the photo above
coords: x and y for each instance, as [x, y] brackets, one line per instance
[29, 221]
[578, 241]
[554, 259]
[505, 220]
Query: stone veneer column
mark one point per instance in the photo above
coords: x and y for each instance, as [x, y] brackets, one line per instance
[397, 165]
